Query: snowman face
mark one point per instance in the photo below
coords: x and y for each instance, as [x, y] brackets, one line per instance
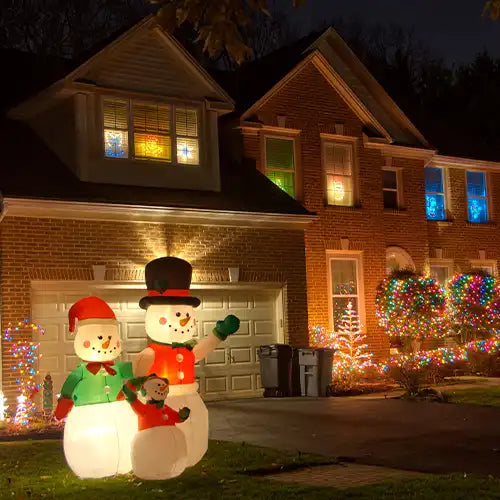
[156, 388]
[170, 323]
[97, 341]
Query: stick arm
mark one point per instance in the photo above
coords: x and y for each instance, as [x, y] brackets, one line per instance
[205, 347]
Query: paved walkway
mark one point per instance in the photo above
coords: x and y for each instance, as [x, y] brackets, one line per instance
[344, 476]
[419, 436]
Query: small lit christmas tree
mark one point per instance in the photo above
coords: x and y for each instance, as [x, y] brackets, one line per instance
[352, 357]
[48, 396]
[3, 406]
[21, 417]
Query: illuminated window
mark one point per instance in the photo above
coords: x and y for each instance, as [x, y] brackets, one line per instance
[345, 286]
[441, 273]
[338, 163]
[115, 116]
[391, 189]
[477, 203]
[434, 194]
[186, 132]
[280, 163]
[152, 139]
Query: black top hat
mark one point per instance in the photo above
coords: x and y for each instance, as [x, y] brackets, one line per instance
[168, 280]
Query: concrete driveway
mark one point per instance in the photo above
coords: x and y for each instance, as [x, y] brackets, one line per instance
[428, 437]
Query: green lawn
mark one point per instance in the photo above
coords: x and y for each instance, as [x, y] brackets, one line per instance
[36, 469]
[485, 396]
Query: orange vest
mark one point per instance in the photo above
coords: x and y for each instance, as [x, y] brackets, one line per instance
[175, 364]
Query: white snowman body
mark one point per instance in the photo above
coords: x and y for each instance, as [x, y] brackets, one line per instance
[169, 324]
[98, 437]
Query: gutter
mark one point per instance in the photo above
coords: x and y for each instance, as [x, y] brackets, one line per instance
[27, 207]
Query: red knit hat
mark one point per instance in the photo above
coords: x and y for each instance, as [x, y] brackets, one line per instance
[89, 308]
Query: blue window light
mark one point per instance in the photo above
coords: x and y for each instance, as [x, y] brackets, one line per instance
[477, 203]
[434, 194]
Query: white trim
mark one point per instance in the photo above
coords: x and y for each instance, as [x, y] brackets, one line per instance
[446, 263]
[394, 150]
[485, 197]
[24, 207]
[354, 255]
[399, 252]
[399, 186]
[445, 181]
[481, 264]
[463, 163]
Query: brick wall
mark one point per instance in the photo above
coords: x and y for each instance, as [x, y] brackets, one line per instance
[312, 106]
[66, 249]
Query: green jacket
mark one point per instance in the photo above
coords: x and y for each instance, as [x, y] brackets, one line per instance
[85, 388]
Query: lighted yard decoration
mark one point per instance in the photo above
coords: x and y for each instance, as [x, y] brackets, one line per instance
[48, 396]
[159, 449]
[99, 429]
[172, 353]
[474, 304]
[3, 406]
[411, 307]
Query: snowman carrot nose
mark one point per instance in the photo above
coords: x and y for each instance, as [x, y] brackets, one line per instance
[106, 344]
[183, 322]
[163, 388]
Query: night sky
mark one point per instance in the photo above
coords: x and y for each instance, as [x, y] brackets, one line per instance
[453, 29]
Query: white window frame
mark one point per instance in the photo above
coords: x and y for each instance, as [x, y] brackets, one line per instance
[485, 197]
[446, 190]
[346, 141]
[130, 129]
[356, 256]
[400, 254]
[289, 137]
[399, 187]
[488, 265]
[445, 263]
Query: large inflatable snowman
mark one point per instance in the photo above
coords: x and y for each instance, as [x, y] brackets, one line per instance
[170, 324]
[159, 448]
[99, 429]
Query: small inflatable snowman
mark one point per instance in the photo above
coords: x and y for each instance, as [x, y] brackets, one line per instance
[99, 429]
[170, 324]
[159, 449]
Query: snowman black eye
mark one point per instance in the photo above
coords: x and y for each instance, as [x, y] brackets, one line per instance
[187, 315]
[158, 385]
[178, 314]
[100, 337]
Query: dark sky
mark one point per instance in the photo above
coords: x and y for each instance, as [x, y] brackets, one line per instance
[454, 29]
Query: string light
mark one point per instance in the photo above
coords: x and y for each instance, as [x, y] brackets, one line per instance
[3, 406]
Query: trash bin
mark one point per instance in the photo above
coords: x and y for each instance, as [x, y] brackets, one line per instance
[276, 369]
[315, 371]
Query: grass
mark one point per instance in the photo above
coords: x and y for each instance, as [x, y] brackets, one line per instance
[484, 396]
[36, 469]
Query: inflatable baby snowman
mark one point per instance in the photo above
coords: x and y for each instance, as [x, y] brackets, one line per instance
[170, 324]
[99, 429]
[159, 448]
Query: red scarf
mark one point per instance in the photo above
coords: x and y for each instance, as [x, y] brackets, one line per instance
[95, 366]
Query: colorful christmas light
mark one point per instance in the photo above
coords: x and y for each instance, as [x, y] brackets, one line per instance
[409, 305]
[21, 417]
[3, 406]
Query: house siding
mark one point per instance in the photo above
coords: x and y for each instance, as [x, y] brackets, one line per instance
[58, 249]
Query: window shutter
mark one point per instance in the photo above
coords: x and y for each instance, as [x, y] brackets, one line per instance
[279, 154]
[115, 114]
[152, 118]
[186, 122]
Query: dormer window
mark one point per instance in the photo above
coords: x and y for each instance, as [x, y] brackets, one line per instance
[154, 134]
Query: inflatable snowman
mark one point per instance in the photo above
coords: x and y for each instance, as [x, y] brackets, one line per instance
[99, 429]
[170, 324]
[159, 448]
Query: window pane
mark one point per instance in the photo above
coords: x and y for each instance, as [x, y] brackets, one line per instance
[186, 122]
[440, 274]
[339, 190]
[279, 154]
[115, 114]
[344, 280]
[338, 158]
[476, 185]
[390, 199]
[435, 206]
[152, 146]
[284, 180]
[339, 308]
[433, 180]
[116, 143]
[478, 210]
[390, 179]
[151, 118]
[188, 151]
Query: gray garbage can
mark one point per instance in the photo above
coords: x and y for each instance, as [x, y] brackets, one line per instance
[276, 369]
[315, 371]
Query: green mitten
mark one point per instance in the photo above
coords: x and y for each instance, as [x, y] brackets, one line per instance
[130, 395]
[227, 327]
[184, 413]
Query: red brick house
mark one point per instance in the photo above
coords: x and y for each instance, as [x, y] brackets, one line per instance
[319, 126]
[115, 162]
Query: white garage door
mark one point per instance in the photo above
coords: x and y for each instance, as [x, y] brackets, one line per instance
[231, 371]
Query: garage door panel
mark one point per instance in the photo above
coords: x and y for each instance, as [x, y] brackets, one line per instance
[241, 383]
[216, 358]
[263, 328]
[212, 303]
[50, 363]
[133, 330]
[240, 355]
[244, 330]
[215, 385]
[236, 302]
